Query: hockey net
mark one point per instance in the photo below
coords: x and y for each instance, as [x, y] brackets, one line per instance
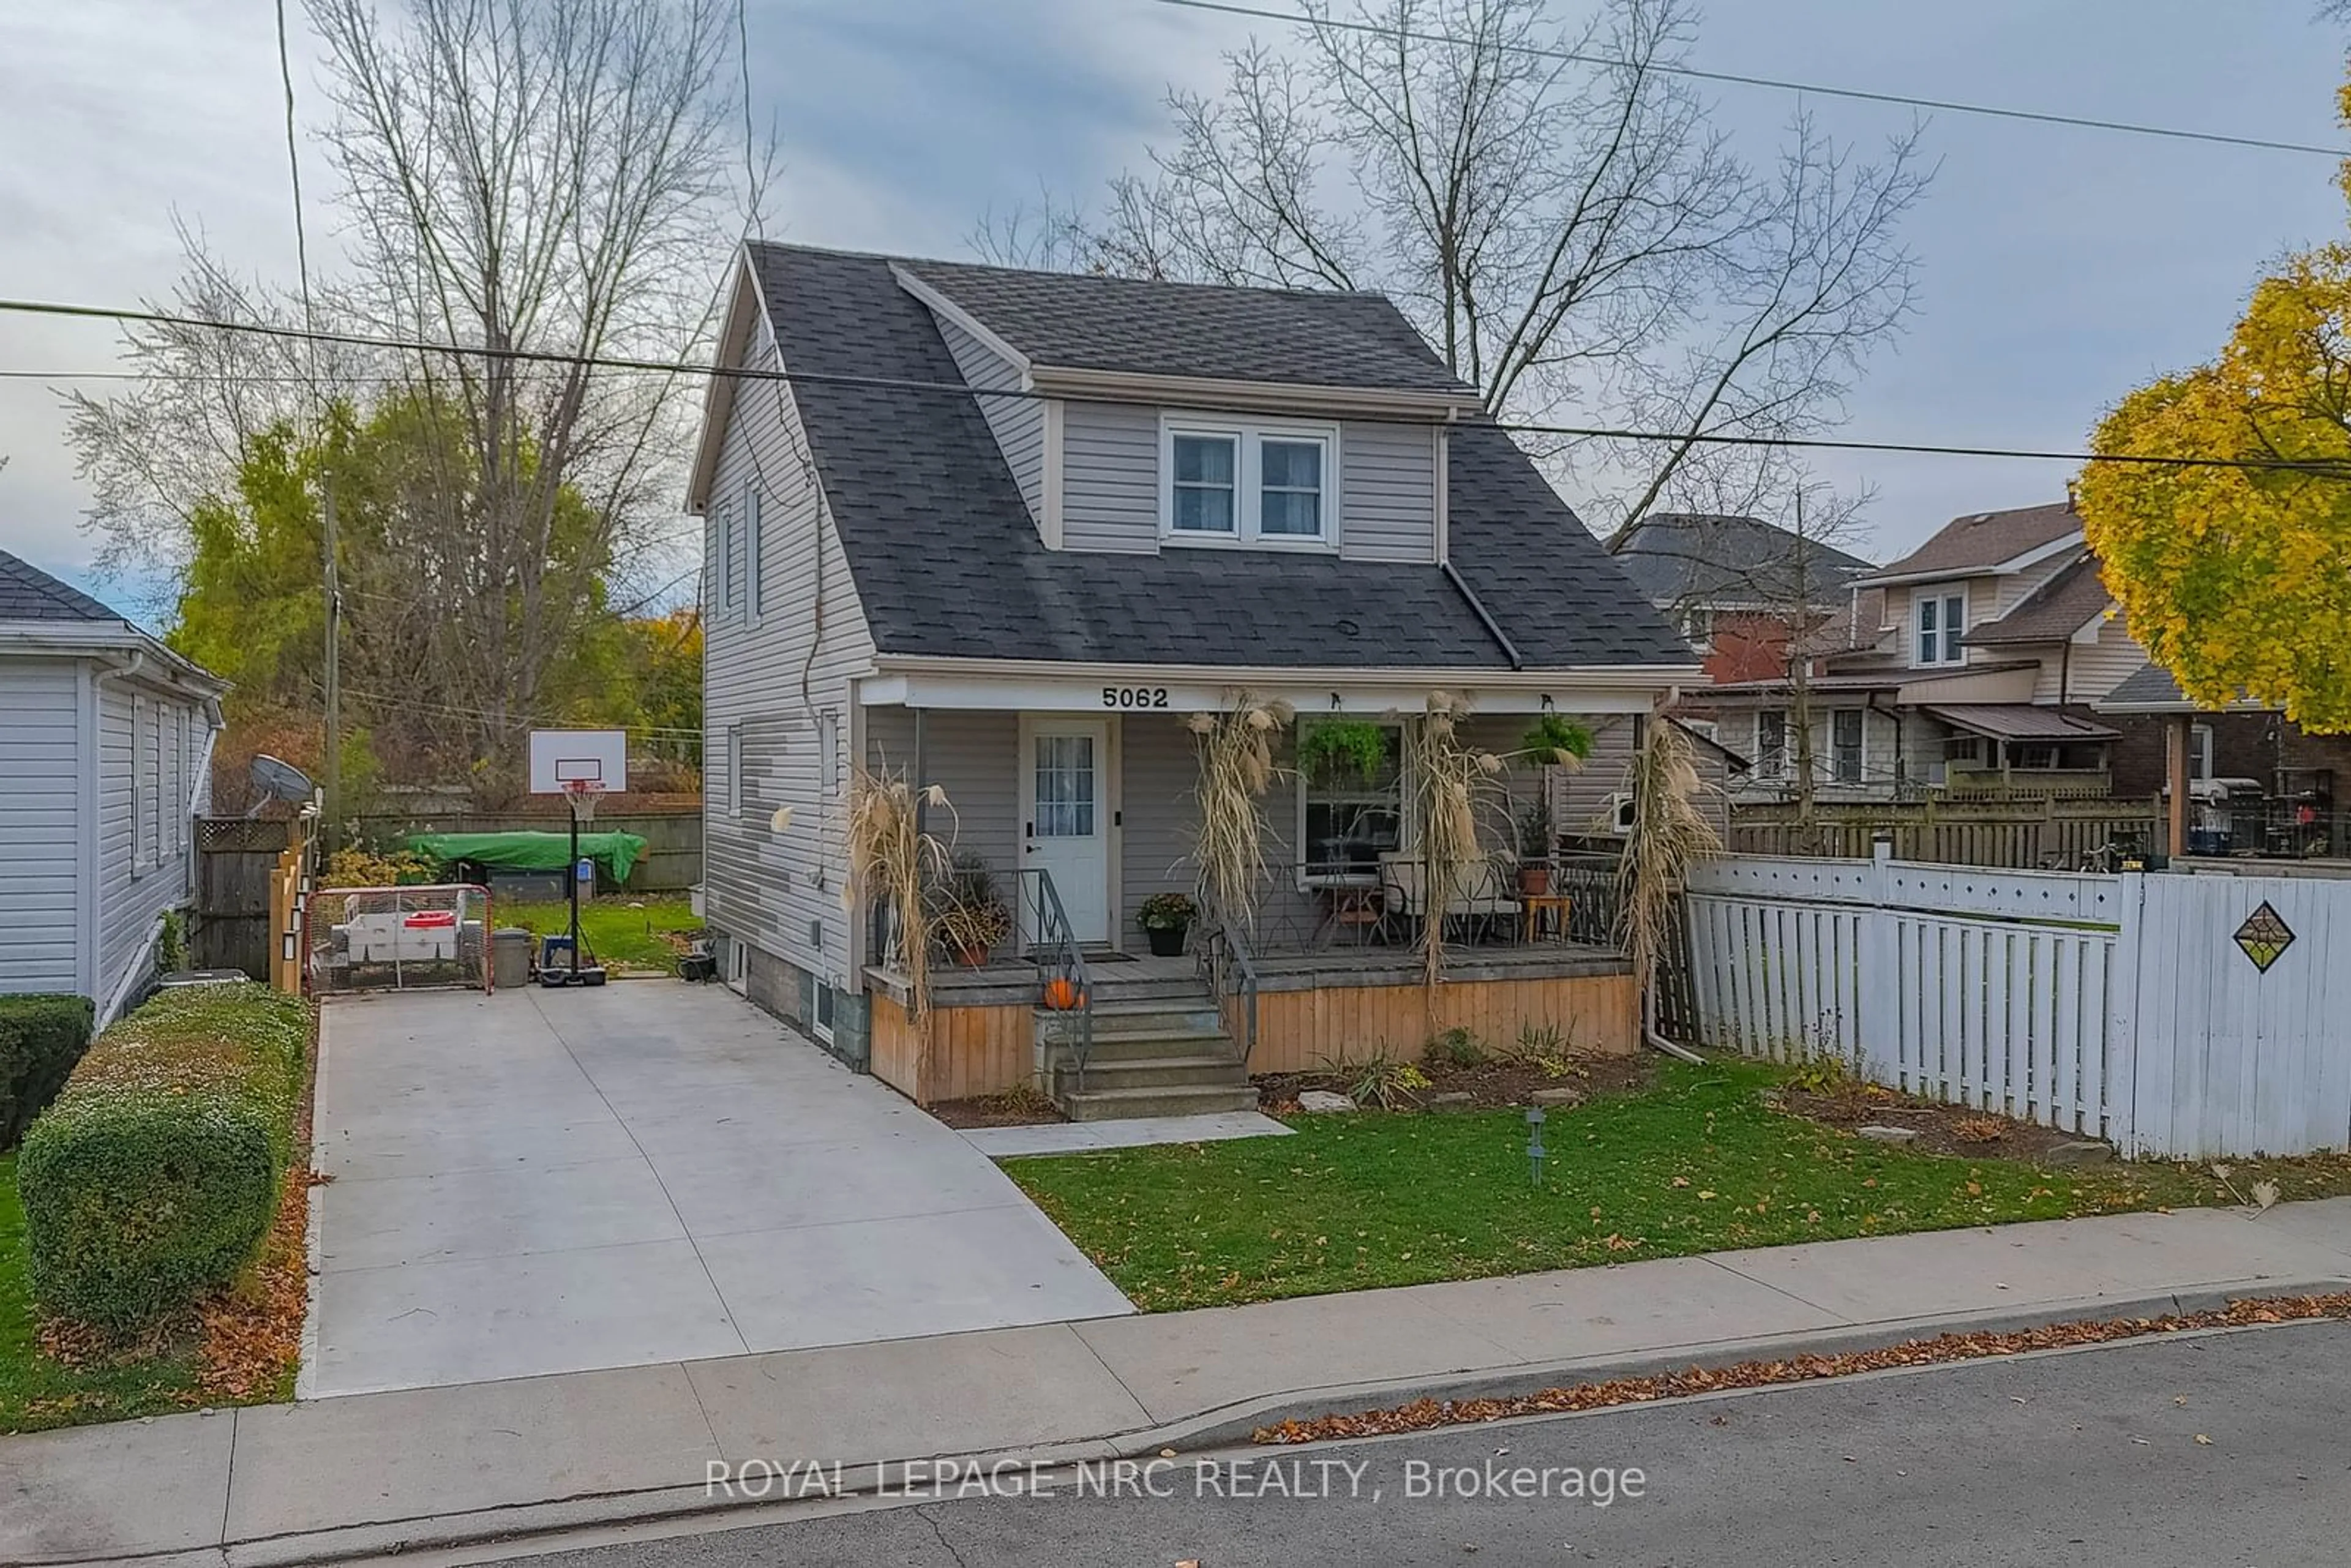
[397, 938]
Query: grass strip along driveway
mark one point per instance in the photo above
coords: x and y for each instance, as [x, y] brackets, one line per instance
[1699, 1162]
[638, 934]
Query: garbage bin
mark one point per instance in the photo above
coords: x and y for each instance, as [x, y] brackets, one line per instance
[510, 957]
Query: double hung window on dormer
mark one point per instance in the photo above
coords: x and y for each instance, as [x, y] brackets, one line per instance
[1245, 483]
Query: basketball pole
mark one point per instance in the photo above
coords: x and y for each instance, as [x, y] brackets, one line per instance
[571, 875]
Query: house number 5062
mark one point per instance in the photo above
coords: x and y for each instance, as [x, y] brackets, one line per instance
[1134, 696]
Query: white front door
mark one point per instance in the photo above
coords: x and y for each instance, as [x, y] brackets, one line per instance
[1065, 821]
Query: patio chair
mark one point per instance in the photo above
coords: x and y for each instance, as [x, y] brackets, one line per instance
[1481, 894]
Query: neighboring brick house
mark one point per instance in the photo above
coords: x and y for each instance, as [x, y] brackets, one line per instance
[1738, 588]
[2254, 782]
[1972, 663]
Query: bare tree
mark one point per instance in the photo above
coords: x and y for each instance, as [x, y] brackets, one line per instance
[1552, 208]
[535, 177]
[151, 453]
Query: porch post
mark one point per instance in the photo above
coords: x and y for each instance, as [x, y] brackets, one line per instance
[2174, 779]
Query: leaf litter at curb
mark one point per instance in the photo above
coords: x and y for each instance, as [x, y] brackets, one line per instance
[1424, 1413]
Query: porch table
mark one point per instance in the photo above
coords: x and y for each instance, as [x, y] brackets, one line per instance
[1533, 925]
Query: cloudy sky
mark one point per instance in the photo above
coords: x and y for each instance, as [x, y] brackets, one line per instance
[2061, 266]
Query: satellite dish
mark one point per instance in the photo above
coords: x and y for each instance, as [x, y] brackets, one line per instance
[276, 781]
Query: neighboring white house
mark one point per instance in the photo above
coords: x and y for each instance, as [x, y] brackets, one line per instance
[105, 740]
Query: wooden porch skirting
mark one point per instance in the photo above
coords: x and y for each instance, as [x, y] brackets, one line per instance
[984, 1042]
[1304, 1029]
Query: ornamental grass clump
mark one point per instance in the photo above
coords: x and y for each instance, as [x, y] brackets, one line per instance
[1444, 782]
[155, 1175]
[892, 860]
[1236, 768]
[1670, 834]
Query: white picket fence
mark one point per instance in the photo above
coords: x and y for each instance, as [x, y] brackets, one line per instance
[2116, 1007]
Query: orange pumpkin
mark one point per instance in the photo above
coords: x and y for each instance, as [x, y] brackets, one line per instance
[1061, 995]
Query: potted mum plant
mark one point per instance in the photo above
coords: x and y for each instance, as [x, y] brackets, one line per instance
[972, 918]
[1165, 917]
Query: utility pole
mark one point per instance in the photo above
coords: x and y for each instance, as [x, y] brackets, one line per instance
[334, 591]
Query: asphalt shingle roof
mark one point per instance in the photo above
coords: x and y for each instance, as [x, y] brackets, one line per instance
[28, 593]
[947, 563]
[2052, 611]
[1081, 321]
[1694, 558]
[1981, 540]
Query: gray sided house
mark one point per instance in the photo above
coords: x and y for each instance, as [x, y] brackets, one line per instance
[1006, 532]
[106, 739]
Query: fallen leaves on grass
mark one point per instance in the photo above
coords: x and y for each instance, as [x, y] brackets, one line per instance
[253, 1332]
[1424, 1413]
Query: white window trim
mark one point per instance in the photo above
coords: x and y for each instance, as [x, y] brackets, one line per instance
[1861, 762]
[730, 579]
[1405, 838]
[1249, 490]
[1941, 598]
[734, 775]
[755, 587]
[1766, 765]
[138, 858]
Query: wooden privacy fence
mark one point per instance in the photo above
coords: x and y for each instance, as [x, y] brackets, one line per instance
[2021, 835]
[250, 878]
[2132, 1007]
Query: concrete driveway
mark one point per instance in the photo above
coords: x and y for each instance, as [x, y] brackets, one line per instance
[541, 1182]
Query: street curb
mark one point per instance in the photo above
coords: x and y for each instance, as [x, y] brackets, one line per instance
[1222, 1428]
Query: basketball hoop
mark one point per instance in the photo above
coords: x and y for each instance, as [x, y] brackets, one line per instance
[580, 794]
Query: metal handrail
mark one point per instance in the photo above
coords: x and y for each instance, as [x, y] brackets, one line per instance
[1225, 955]
[1053, 948]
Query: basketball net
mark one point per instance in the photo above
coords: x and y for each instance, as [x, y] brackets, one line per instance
[581, 794]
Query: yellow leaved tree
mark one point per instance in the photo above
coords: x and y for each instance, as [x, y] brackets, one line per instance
[2237, 580]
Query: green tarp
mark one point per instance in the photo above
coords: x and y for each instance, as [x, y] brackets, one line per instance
[615, 853]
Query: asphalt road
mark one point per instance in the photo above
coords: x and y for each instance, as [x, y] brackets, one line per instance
[2226, 1450]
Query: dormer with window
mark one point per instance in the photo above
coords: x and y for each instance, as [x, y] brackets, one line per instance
[1142, 417]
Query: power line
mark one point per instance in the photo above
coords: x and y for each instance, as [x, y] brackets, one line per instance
[1736, 79]
[962, 389]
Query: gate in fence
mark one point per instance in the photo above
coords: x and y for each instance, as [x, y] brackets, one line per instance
[2177, 1015]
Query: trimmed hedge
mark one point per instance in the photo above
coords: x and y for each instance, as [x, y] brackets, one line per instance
[41, 1037]
[156, 1174]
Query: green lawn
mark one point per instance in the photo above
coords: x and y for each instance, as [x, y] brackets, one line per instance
[1696, 1164]
[619, 930]
[37, 1392]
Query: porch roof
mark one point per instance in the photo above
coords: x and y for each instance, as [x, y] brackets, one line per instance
[2018, 721]
[948, 564]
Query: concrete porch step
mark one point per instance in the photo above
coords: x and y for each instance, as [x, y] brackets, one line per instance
[1203, 1071]
[1151, 1045]
[1120, 1019]
[1115, 1104]
[1109, 991]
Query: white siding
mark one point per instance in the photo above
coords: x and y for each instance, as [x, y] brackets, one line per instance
[1387, 492]
[778, 679]
[1019, 421]
[1110, 477]
[133, 894]
[40, 823]
[1387, 483]
[2088, 671]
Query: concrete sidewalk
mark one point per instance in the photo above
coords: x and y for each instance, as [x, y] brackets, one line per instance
[369, 1472]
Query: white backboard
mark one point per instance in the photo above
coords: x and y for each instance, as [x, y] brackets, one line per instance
[597, 757]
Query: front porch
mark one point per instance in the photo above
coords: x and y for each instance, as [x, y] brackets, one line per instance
[1068, 821]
